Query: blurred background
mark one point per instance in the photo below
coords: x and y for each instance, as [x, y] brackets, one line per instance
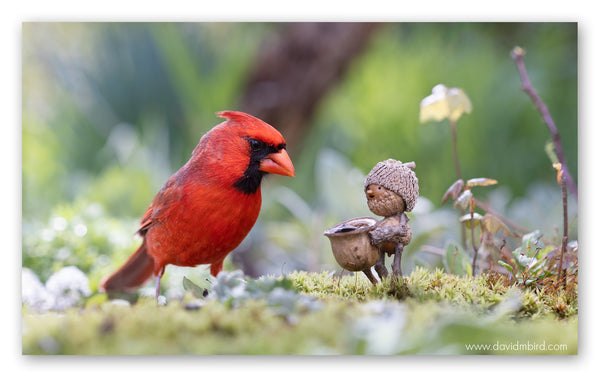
[111, 110]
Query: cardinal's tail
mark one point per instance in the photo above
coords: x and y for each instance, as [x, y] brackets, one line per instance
[136, 270]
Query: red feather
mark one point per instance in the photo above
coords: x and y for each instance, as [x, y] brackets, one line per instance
[207, 208]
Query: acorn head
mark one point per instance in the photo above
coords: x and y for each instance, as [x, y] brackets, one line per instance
[391, 187]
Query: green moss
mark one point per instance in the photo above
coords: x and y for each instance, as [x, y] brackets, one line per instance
[436, 313]
[146, 328]
[479, 293]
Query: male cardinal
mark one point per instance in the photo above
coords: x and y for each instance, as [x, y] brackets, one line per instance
[207, 208]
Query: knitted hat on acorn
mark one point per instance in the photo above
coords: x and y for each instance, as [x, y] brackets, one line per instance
[397, 177]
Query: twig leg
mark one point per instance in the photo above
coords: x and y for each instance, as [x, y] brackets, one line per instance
[380, 266]
[370, 276]
[396, 269]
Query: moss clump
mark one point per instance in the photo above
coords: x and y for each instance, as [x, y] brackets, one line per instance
[215, 328]
[480, 292]
[435, 313]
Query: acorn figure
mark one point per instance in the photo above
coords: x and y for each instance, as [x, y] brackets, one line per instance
[392, 189]
[352, 247]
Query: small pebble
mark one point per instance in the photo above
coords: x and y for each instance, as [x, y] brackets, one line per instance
[195, 305]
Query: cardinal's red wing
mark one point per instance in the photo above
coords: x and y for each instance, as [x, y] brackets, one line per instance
[169, 195]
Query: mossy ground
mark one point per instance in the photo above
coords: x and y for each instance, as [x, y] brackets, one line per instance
[429, 313]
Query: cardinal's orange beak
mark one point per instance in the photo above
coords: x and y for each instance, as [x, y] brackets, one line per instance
[278, 163]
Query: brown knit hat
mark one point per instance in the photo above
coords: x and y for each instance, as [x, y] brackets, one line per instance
[397, 177]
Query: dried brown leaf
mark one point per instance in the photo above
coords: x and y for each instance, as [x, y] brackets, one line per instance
[494, 224]
[463, 200]
[454, 190]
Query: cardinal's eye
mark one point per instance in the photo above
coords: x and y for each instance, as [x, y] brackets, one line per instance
[256, 145]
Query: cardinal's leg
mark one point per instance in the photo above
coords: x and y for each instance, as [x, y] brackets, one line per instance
[216, 267]
[160, 274]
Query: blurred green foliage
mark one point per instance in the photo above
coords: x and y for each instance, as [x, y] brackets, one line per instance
[374, 113]
[81, 235]
[111, 110]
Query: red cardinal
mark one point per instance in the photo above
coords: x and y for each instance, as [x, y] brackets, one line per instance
[207, 208]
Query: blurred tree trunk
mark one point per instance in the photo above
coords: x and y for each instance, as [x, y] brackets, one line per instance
[296, 68]
[293, 72]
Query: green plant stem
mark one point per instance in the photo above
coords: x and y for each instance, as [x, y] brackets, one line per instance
[455, 149]
[517, 55]
[453, 259]
[471, 210]
[463, 233]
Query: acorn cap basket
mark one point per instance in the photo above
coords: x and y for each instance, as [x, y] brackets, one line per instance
[351, 244]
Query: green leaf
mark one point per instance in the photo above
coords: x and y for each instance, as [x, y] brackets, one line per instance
[539, 265]
[466, 219]
[456, 260]
[550, 151]
[190, 286]
[508, 267]
[526, 261]
[532, 243]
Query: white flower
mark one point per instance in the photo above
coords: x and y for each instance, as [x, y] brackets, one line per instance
[67, 286]
[33, 292]
[63, 289]
[444, 103]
